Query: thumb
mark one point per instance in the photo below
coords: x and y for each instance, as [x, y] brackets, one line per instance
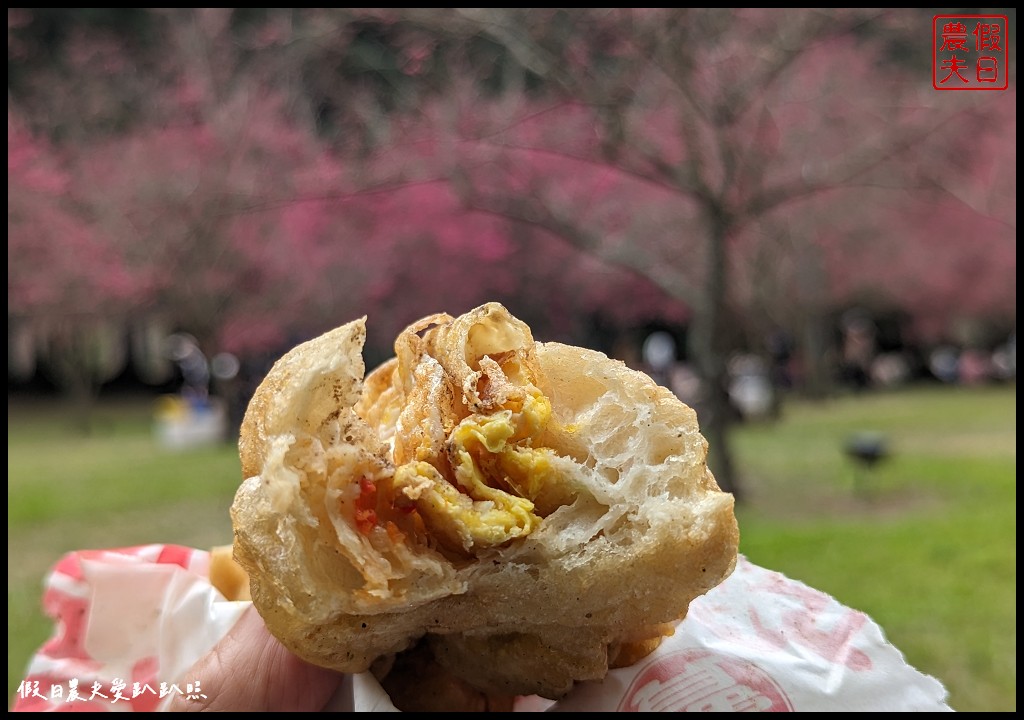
[250, 670]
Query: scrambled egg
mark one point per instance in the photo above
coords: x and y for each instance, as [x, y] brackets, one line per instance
[494, 472]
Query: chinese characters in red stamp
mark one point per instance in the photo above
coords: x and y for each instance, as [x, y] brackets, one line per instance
[970, 52]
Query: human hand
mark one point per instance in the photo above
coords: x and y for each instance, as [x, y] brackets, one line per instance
[250, 670]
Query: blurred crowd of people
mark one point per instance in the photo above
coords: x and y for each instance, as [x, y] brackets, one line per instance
[866, 362]
[857, 361]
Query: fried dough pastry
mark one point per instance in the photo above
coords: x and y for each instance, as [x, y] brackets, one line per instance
[533, 513]
[226, 575]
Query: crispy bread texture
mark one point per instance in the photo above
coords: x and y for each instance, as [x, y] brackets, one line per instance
[532, 513]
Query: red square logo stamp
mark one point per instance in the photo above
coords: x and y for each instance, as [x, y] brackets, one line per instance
[970, 52]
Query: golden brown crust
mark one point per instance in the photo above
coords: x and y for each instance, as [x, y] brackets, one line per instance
[415, 682]
[228, 576]
[535, 512]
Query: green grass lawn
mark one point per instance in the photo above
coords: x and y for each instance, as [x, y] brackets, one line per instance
[925, 543]
[115, 487]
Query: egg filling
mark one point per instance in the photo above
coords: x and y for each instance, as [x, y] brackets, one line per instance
[476, 490]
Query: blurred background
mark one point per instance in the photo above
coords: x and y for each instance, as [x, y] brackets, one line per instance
[773, 213]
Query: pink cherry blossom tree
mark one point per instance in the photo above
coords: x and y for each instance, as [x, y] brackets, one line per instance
[682, 143]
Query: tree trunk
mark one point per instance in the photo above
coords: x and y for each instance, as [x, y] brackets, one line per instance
[83, 395]
[82, 353]
[67, 362]
[813, 290]
[816, 379]
[708, 346]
